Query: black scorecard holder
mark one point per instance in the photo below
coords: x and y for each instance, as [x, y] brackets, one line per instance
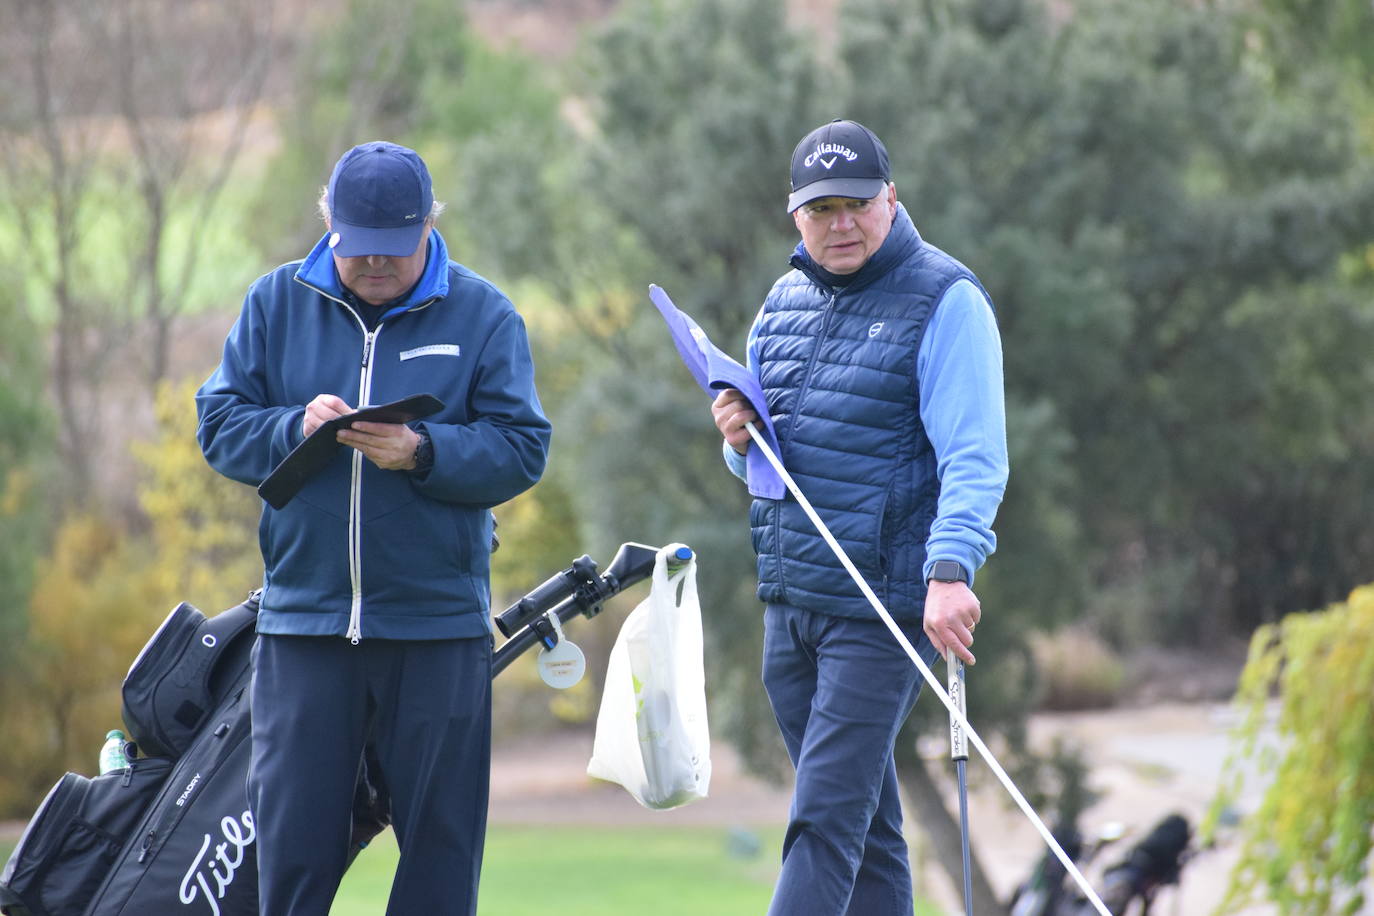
[314, 453]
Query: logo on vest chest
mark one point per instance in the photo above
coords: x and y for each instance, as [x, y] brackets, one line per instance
[875, 329]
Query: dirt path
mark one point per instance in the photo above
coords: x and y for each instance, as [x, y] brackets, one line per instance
[546, 782]
[1146, 762]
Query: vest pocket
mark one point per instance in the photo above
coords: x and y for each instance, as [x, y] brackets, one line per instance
[883, 543]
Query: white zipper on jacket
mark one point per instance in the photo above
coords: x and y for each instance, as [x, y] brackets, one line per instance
[355, 499]
[355, 490]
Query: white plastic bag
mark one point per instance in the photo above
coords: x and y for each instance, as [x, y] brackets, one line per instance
[651, 731]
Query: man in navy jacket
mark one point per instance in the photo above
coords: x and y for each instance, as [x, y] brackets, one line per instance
[374, 622]
[881, 363]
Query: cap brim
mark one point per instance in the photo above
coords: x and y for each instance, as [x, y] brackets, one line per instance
[360, 241]
[860, 188]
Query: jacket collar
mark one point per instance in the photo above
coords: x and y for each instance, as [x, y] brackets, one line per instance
[901, 241]
[317, 271]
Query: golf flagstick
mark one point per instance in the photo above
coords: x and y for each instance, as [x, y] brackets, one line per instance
[956, 715]
[958, 752]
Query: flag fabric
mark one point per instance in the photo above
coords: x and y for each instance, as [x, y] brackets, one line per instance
[714, 371]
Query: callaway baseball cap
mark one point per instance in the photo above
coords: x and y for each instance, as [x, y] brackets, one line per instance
[839, 159]
[379, 196]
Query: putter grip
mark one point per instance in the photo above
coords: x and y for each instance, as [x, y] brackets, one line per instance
[958, 741]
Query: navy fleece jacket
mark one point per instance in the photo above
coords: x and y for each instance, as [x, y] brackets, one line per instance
[362, 551]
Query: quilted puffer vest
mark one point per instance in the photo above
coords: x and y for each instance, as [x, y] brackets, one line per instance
[838, 366]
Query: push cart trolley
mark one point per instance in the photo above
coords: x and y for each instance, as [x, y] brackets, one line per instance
[579, 589]
[172, 832]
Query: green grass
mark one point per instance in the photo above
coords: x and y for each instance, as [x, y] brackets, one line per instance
[592, 871]
[587, 871]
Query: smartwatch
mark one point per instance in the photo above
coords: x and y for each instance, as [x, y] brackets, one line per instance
[948, 571]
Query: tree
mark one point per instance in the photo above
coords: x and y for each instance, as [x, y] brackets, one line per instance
[47, 163]
[412, 72]
[662, 176]
[1146, 211]
[101, 592]
[25, 436]
[88, 615]
[187, 81]
[1164, 245]
[113, 170]
[678, 139]
[1299, 30]
[1167, 236]
[202, 532]
[1308, 846]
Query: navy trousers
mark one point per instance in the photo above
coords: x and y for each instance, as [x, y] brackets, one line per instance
[427, 707]
[840, 691]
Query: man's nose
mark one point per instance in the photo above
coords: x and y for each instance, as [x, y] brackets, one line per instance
[376, 260]
[843, 221]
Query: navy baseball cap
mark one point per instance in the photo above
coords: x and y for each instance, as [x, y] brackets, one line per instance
[379, 196]
[839, 159]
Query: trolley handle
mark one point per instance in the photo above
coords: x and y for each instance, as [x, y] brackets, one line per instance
[576, 590]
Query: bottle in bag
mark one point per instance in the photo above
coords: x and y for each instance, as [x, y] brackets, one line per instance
[112, 755]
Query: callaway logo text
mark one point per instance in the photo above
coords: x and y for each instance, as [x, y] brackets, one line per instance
[833, 148]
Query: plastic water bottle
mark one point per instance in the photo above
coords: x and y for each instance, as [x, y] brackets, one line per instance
[112, 756]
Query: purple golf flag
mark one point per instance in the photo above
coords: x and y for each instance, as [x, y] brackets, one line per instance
[714, 371]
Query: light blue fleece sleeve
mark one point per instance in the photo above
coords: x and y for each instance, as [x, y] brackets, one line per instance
[959, 371]
[736, 462]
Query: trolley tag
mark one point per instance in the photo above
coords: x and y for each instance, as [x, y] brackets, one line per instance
[562, 666]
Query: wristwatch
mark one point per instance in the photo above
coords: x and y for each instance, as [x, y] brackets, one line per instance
[424, 454]
[948, 571]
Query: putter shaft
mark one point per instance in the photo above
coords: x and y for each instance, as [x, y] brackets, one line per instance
[958, 751]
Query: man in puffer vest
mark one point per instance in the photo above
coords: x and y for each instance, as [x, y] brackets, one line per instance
[881, 363]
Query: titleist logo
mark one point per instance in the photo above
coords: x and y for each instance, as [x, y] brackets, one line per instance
[221, 867]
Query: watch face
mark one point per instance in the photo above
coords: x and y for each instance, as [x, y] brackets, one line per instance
[947, 571]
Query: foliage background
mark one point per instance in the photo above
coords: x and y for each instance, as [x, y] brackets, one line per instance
[1312, 853]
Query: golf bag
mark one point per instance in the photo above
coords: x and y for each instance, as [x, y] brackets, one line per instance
[1151, 864]
[1157, 860]
[172, 832]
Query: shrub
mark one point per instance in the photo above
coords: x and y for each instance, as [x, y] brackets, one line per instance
[1076, 669]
